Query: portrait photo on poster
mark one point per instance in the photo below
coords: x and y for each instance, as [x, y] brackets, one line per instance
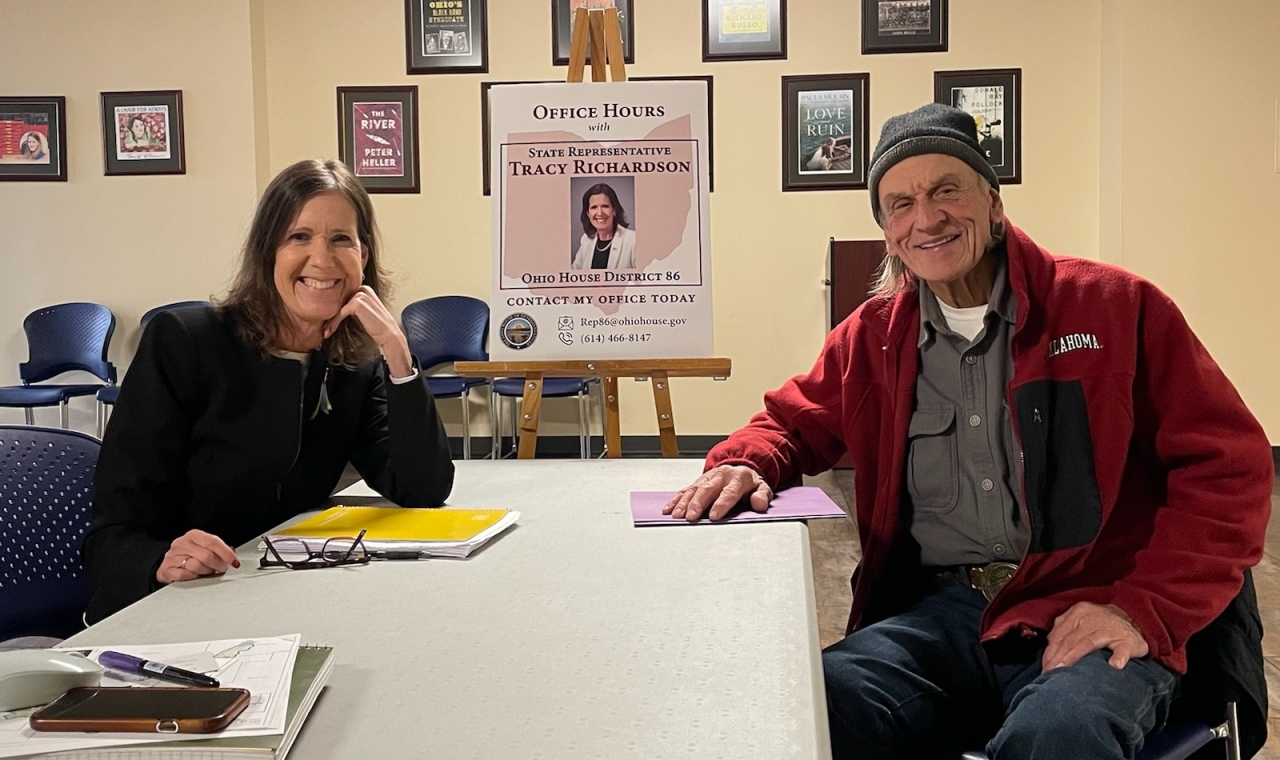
[446, 37]
[744, 30]
[603, 233]
[993, 98]
[378, 136]
[33, 135]
[142, 132]
[825, 132]
[562, 15]
[904, 26]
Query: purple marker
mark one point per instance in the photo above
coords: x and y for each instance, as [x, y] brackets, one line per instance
[130, 664]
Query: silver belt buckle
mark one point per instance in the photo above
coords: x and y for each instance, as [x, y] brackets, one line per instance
[989, 579]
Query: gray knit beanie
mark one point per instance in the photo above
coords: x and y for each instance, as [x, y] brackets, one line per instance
[931, 128]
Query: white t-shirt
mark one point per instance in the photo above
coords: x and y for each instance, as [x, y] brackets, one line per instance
[967, 322]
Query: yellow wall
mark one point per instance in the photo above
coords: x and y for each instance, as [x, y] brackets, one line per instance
[1200, 172]
[128, 242]
[1099, 76]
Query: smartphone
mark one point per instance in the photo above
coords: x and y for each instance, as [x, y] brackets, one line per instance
[162, 710]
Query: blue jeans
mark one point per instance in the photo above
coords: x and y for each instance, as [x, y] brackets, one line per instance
[919, 685]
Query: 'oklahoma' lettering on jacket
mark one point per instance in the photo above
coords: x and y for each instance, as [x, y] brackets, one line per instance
[1072, 342]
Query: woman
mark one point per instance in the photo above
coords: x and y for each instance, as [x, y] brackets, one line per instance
[33, 147]
[235, 418]
[137, 134]
[607, 242]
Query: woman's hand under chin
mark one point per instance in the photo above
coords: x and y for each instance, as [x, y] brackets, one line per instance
[365, 306]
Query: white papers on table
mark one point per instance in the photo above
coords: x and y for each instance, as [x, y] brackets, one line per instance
[446, 549]
[263, 666]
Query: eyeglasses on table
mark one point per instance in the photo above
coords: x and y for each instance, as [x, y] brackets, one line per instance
[296, 554]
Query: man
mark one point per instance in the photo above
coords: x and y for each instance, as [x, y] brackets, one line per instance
[1056, 486]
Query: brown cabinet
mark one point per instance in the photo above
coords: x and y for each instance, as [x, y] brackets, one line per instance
[851, 273]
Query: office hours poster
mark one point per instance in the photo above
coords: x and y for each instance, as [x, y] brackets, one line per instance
[600, 228]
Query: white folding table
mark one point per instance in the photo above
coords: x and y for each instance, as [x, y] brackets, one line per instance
[572, 635]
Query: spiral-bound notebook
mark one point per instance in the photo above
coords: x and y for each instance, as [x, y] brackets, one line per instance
[310, 671]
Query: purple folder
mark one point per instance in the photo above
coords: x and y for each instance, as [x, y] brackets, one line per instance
[801, 503]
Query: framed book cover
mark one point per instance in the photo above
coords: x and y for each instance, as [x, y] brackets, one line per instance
[825, 131]
[33, 139]
[562, 12]
[744, 30]
[993, 97]
[600, 237]
[904, 26]
[446, 36]
[378, 136]
[142, 133]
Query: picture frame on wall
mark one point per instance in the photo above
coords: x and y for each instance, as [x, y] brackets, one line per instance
[142, 133]
[904, 26]
[33, 139]
[378, 136]
[993, 97]
[744, 30]
[825, 131]
[562, 12]
[446, 37]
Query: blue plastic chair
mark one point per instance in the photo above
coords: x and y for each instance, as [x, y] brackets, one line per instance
[1216, 676]
[107, 396]
[552, 387]
[151, 313]
[443, 330]
[62, 338]
[46, 500]
[1179, 741]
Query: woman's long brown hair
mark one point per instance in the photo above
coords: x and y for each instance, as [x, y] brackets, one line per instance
[253, 299]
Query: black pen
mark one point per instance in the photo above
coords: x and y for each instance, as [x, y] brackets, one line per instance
[397, 554]
[130, 664]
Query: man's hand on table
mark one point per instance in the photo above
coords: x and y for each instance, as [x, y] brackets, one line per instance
[717, 491]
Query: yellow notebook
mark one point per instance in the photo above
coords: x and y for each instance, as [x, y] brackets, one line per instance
[432, 532]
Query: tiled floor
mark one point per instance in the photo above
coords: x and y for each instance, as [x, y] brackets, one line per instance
[834, 547]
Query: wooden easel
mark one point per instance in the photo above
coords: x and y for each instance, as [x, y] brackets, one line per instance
[604, 36]
[658, 371]
[598, 29]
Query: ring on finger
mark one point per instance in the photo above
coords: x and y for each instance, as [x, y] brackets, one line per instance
[182, 565]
